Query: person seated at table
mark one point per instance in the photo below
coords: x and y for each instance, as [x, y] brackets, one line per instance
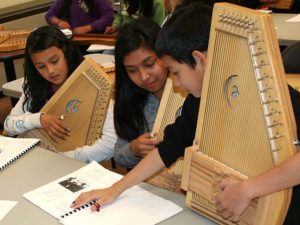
[50, 58]
[140, 80]
[295, 7]
[81, 16]
[129, 9]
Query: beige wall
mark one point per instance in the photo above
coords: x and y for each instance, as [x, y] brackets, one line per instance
[26, 22]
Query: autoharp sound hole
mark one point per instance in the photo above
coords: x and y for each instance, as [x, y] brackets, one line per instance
[231, 90]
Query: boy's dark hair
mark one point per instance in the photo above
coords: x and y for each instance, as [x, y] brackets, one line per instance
[36, 89]
[130, 99]
[185, 31]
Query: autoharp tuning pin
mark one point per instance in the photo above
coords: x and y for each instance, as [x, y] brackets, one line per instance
[297, 142]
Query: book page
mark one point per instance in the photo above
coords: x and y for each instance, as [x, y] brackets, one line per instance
[56, 197]
[5, 207]
[141, 206]
[12, 148]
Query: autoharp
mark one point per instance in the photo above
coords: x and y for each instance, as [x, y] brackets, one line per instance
[83, 99]
[280, 4]
[246, 123]
[13, 39]
[169, 109]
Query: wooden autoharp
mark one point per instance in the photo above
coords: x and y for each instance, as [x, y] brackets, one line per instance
[13, 39]
[246, 123]
[280, 4]
[169, 109]
[83, 99]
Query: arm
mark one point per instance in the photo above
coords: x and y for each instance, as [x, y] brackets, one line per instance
[150, 165]
[54, 13]
[236, 196]
[103, 147]
[129, 154]
[118, 21]
[105, 11]
[159, 12]
[19, 121]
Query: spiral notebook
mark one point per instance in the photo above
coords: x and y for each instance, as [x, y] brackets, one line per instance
[13, 148]
[134, 206]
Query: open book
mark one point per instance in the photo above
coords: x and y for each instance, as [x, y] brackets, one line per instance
[134, 206]
[13, 148]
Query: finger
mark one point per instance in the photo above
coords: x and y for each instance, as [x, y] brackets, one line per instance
[222, 185]
[235, 219]
[52, 136]
[95, 206]
[82, 199]
[226, 214]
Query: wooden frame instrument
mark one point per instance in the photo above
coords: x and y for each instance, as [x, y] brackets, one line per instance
[246, 123]
[83, 99]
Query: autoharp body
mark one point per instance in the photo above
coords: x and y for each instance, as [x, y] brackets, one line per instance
[13, 39]
[169, 109]
[83, 99]
[246, 123]
[280, 4]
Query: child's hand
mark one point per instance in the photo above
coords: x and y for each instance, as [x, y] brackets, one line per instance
[110, 30]
[102, 196]
[233, 199]
[142, 145]
[54, 127]
[63, 24]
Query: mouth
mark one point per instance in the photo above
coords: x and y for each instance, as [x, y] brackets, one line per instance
[150, 85]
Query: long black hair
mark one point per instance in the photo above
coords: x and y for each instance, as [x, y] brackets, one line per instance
[145, 7]
[130, 99]
[67, 3]
[36, 89]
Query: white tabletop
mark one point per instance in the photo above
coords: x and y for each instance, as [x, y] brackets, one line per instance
[40, 166]
[287, 32]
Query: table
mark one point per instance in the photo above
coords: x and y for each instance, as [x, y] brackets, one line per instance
[287, 32]
[40, 166]
[8, 60]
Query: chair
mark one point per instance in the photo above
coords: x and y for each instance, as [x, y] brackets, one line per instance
[290, 58]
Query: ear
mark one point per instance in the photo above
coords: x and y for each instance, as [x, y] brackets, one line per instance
[200, 57]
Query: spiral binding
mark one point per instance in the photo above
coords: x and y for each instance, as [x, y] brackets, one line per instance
[18, 156]
[77, 209]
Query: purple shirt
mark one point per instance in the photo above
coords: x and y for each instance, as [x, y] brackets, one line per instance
[79, 15]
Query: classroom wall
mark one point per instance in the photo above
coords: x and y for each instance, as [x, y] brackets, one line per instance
[26, 22]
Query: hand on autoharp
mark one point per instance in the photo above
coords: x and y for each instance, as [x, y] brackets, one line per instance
[143, 144]
[54, 126]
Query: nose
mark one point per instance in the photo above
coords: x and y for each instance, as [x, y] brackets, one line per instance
[50, 69]
[144, 74]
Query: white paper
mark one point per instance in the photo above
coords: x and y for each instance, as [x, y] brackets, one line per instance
[135, 205]
[294, 19]
[98, 47]
[12, 148]
[5, 207]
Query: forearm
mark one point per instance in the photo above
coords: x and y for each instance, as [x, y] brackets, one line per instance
[148, 166]
[283, 176]
[15, 125]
